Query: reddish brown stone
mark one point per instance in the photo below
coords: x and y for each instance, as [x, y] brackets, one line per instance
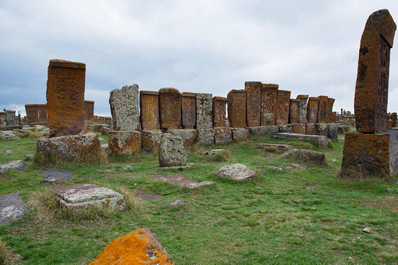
[188, 110]
[311, 129]
[329, 110]
[222, 135]
[389, 124]
[220, 112]
[237, 108]
[65, 97]
[36, 113]
[394, 119]
[303, 108]
[294, 111]
[269, 94]
[124, 142]
[170, 108]
[3, 119]
[323, 116]
[150, 140]
[149, 103]
[371, 90]
[88, 110]
[312, 109]
[253, 103]
[299, 128]
[282, 107]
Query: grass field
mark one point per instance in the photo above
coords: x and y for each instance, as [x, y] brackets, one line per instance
[292, 216]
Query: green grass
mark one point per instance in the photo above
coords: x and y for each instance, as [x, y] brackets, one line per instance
[292, 216]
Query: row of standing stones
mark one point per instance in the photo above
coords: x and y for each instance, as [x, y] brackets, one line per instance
[69, 141]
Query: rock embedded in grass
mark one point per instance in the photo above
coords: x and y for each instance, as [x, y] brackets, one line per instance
[305, 155]
[236, 172]
[12, 208]
[183, 181]
[56, 175]
[13, 165]
[171, 151]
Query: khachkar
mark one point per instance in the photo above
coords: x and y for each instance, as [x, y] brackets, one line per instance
[68, 141]
[371, 150]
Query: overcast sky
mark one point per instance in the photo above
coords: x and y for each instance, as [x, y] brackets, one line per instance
[211, 46]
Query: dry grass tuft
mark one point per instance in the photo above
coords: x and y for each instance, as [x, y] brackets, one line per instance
[3, 253]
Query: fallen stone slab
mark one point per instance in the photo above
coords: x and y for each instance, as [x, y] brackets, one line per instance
[79, 196]
[187, 165]
[294, 166]
[8, 152]
[318, 140]
[8, 135]
[263, 130]
[13, 165]
[213, 152]
[270, 147]
[56, 175]
[183, 181]
[12, 208]
[236, 172]
[138, 247]
[305, 155]
[176, 203]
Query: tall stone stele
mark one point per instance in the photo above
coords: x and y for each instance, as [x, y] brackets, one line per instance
[253, 103]
[371, 150]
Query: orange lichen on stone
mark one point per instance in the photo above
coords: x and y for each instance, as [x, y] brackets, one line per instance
[65, 97]
[253, 103]
[312, 109]
[137, 247]
[88, 110]
[269, 93]
[330, 115]
[124, 142]
[323, 115]
[282, 107]
[149, 101]
[294, 111]
[188, 110]
[220, 112]
[299, 128]
[170, 108]
[237, 108]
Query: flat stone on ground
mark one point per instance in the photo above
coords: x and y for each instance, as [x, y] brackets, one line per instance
[12, 208]
[236, 172]
[56, 175]
[80, 196]
[318, 140]
[13, 165]
[213, 152]
[183, 181]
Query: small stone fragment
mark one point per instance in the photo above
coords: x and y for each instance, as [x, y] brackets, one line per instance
[8, 152]
[56, 175]
[236, 172]
[127, 167]
[176, 203]
[366, 230]
[388, 190]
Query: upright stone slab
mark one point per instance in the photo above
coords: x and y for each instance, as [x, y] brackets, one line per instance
[303, 108]
[222, 135]
[88, 110]
[323, 116]
[171, 151]
[282, 107]
[3, 119]
[394, 119]
[220, 112]
[253, 103]
[205, 136]
[330, 115]
[125, 109]
[204, 111]
[149, 102]
[65, 97]
[294, 109]
[237, 108]
[312, 109]
[188, 110]
[371, 90]
[32, 113]
[150, 140]
[124, 142]
[10, 117]
[269, 94]
[170, 108]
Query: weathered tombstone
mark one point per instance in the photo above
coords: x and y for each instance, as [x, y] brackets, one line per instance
[32, 113]
[220, 112]
[282, 107]
[237, 108]
[302, 108]
[171, 151]
[364, 151]
[3, 119]
[170, 108]
[323, 109]
[312, 109]
[12, 208]
[269, 95]
[125, 108]
[65, 97]
[88, 109]
[330, 115]
[253, 103]
[299, 128]
[204, 111]
[222, 135]
[10, 117]
[205, 136]
[188, 110]
[149, 102]
[124, 142]
[294, 109]
[394, 119]
[371, 91]
[151, 140]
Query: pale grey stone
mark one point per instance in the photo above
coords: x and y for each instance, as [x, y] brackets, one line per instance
[176, 203]
[322, 129]
[12, 208]
[236, 172]
[240, 133]
[332, 131]
[187, 135]
[288, 128]
[318, 140]
[29, 157]
[303, 108]
[306, 156]
[56, 175]
[8, 152]
[263, 130]
[213, 152]
[13, 165]
[205, 136]
[125, 108]
[204, 111]
[183, 181]
[171, 151]
[8, 135]
[367, 230]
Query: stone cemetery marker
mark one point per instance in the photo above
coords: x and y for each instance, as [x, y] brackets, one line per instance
[371, 90]
[394, 119]
[312, 109]
[294, 111]
[269, 94]
[330, 115]
[65, 97]
[282, 107]
[3, 119]
[88, 110]
[149, 101]
[188, 110]
[170, 108]
[220, 112]
[171, 151]
[303, 108]
[237, 108]
[10, 117]
[323, 110]
[253, 103]
[125, 109]
[32, 113]
[204, 111]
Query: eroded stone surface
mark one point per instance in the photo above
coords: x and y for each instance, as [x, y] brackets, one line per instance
[88, 109]
[204, 111]
[240, 133]
[205, 136]
[170, 108]
[13, 165]
[12, 208]
[236, 172]
[331, 116]
[318, 140]
[80, 196]
[282, 107]
[222, 135]
[171, 151]
[125, 109]
[253, 103]
[294, 109]
[182, 181]
[213, 152]
[306, 155]
[299, 128]
[140, 247]
[220, 112]
[8, 135]
[151, 139]
[263, 130]
[188, 110]
[302, 108]
[323, 115]
[269, 95]
[124, 142]
[149, 102]
[237, 108]
[187, 135]
[312, 109]
[56, 175]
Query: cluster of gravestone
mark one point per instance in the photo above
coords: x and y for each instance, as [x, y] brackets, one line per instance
[8, 119]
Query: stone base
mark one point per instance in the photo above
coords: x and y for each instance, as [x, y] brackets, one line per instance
[375, 155]
[311, 130]
[171, 151]
[124, 142]
[205, 136]
[187, 135]
[240, 133]
[318, 140]
[288, 128]
[299, 128]
[81, 149]
[263, 130]
[222, 135]
[151, 140]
